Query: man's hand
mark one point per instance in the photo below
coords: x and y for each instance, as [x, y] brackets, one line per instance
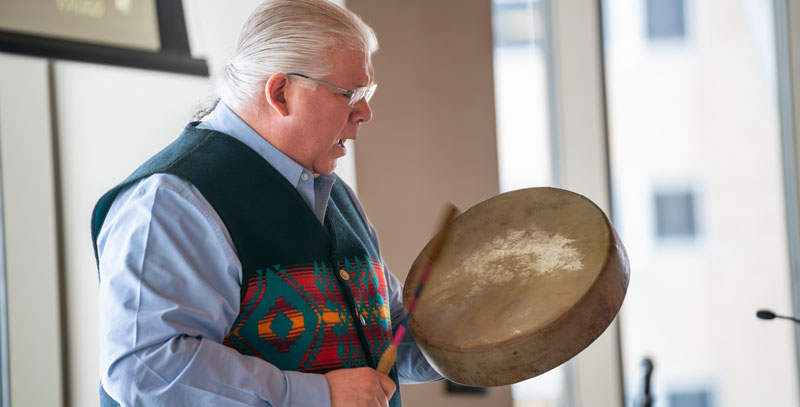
[361, 387]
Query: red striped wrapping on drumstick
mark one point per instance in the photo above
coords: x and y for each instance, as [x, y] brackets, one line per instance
[388, 358]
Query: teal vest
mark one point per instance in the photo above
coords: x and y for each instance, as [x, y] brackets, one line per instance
[314, 298]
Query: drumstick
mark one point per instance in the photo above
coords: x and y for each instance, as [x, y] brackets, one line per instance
[388, 358]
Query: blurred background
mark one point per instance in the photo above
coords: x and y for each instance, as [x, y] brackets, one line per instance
[675, 116]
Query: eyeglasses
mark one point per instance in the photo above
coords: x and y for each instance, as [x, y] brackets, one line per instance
[364, 92]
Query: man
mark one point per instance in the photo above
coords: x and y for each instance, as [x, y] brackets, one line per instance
[235, 268]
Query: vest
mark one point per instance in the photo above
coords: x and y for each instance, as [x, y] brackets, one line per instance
[314, 297]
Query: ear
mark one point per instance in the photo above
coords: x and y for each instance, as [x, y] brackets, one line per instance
[275, 93]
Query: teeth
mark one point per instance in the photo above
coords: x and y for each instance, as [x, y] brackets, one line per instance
[341, 142]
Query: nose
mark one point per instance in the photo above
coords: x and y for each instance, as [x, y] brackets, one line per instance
[362, 112]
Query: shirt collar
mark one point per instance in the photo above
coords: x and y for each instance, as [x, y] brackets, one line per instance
[224, 120]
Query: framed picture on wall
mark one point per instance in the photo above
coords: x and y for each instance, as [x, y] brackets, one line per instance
[148, 34]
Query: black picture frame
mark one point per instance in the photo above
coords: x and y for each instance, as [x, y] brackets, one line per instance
[174, 55]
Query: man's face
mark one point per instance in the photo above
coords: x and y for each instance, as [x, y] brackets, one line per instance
[324, 118]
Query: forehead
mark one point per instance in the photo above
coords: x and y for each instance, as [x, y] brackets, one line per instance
[350, 68]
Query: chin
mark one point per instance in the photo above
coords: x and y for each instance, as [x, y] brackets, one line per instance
[326, 169]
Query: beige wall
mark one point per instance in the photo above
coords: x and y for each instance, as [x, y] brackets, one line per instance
[432, 139]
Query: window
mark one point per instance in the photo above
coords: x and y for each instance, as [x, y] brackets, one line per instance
[666, 19]
[523, 135]
[521, 94]
[675, 215]
[695, 156]
[690, 399]
[517, 23]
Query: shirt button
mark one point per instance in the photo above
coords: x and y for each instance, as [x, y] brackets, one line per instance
[363, 321]
[344, 274]
[304, 177]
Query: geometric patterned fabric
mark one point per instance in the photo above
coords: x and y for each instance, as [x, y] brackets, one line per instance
[296, 318]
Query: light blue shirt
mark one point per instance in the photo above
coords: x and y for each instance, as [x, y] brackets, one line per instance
[170, 290]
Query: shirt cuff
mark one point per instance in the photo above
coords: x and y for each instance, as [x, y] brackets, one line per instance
[308, 389]
[412, 367]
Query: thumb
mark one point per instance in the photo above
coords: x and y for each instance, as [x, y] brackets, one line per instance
[387, 385]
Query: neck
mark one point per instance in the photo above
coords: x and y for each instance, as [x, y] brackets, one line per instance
[273, 130]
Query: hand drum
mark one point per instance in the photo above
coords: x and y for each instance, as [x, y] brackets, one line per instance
[526, 280]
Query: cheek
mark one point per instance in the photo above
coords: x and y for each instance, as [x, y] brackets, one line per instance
[328, 123]
[337, 123]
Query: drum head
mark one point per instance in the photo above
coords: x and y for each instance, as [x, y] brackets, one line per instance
[525, 281]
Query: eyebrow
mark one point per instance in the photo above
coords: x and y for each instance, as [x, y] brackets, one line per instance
[359, 85]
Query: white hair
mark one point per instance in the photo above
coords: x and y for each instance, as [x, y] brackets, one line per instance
[283, 36]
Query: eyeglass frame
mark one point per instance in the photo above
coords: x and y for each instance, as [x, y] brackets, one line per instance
[364, 92]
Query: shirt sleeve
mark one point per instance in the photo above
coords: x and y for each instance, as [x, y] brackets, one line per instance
[412, 367]
[169, 292]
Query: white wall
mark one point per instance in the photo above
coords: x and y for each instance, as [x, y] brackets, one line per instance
[30, 234]
[110, 121]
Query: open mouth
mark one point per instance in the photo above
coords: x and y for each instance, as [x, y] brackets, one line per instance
[340, 143]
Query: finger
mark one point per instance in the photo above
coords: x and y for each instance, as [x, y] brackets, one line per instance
[387, 385]
[381, 401]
